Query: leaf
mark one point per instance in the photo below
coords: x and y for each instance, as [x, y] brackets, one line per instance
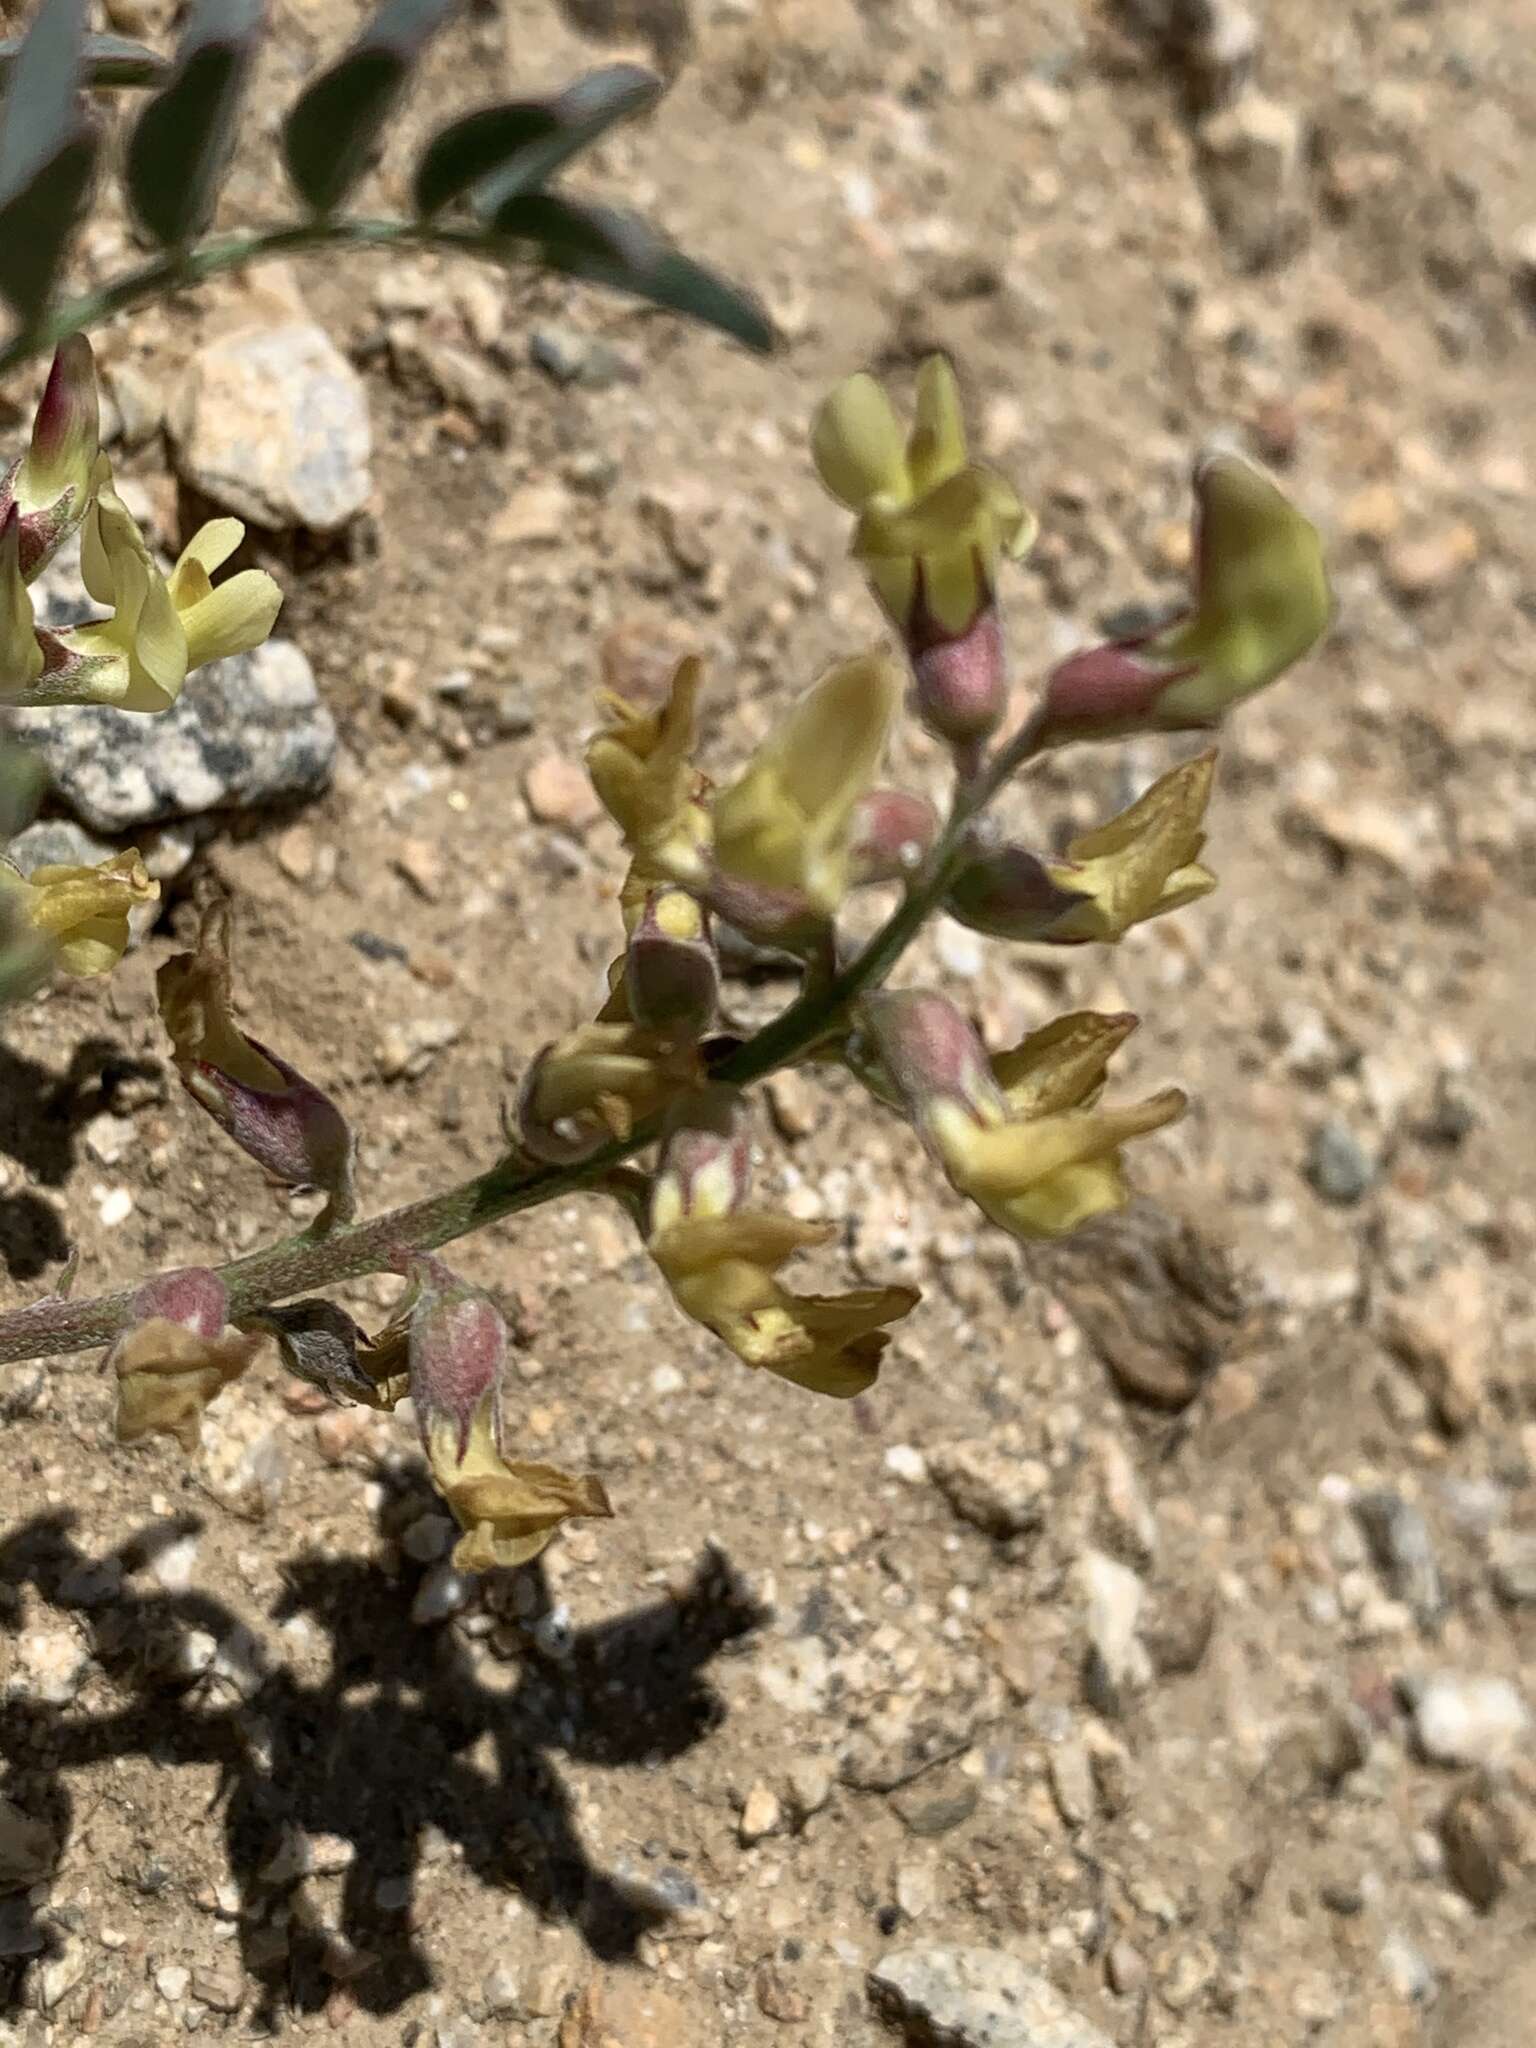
[181, 144]
[578, 117]
[617, 249]
[47, 155]
[332, 130]
[468, 150]
[109, 61]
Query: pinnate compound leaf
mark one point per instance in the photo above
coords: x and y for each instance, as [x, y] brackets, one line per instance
[47, 156]
[333, 129]
[606, 247]
[181, 144]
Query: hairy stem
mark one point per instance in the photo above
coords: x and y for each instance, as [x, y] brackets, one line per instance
[302, 1263]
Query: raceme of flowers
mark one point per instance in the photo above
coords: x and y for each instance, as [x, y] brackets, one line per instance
[1034, 1135]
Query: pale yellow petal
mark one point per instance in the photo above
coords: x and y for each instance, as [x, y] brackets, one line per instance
[937, 445]
[856, 443]
[234, 617]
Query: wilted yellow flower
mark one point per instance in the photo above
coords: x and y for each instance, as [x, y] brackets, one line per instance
[82, 912]
[642, 768]
[722, 1271]
[173, 1361]
[1261, 601]
[721, 1259]
[932, 526]
[596, 1084]
[159, 630]
[508, 1508]
[786, 825]
[1143, 863]
[1018, 1134]
[268, 1107]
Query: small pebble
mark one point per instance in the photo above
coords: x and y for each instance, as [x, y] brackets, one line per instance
[1338, 1165]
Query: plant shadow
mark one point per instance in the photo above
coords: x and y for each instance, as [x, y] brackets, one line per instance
[401, 1734]
[41, 1114]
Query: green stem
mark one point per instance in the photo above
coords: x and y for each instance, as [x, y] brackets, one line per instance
[302, 1263]
[178, 269]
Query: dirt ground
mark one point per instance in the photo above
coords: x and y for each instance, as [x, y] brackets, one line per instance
[690, 1778]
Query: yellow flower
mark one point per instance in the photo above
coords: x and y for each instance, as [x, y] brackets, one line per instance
[82, 912]
[722, 1271]
[1261, 601]
[159, 630]
[642, 768]
[787, 824]
[932, 525]
[721, 1260]
[179, 1354]
[508, 1508]
[1142, 864]
[228, 619]
[1019, 1134]
[1261, 594]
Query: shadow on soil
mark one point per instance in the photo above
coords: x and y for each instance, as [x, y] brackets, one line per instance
[41, 1114]
[376, 1752]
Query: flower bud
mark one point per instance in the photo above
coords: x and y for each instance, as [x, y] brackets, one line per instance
[1009, 893]
[961, 679]
[706, 1158]
[671, 978]
[270, 1110]
[320, 1344]
[890, 836]
[931, 1050]
[176, 1356]
[50, 486]
[458, 1351]
[1261, 601]
[508, 1509]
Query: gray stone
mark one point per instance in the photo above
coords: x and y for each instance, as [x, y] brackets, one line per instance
[273, 423]
[990, 1487]
[975, 1998]
[1404, 1553]
[1338, 1165]
[244, 732]
[1252, 160]
[571, 357]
